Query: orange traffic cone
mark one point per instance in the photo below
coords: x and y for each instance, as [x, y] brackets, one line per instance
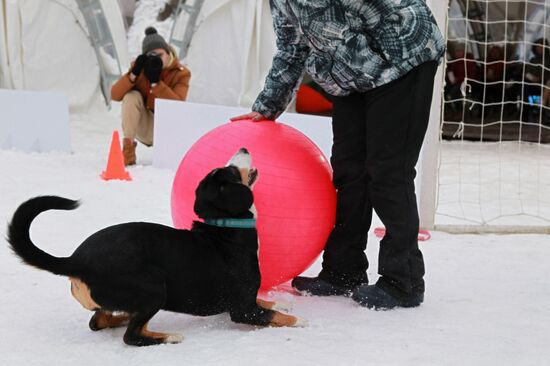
[115, 163]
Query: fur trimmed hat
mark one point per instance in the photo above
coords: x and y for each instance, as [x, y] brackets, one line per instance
[153, 40]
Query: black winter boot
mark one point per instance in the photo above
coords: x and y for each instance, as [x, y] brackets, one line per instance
[374, 297]
[325, 285]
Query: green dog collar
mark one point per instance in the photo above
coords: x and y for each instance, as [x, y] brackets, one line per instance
[232, 223]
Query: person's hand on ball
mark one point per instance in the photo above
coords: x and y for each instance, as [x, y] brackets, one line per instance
[254, 116]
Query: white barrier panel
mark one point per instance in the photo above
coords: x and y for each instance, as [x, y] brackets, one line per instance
[34, 121]
[178, 125]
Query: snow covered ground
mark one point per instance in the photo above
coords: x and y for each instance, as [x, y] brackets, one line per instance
[487, 299]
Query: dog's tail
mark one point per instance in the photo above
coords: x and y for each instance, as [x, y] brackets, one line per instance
[19, 236]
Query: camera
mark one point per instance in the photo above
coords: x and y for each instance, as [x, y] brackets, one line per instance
[153, 62]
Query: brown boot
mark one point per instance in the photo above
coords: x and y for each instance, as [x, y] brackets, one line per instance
[129, 151]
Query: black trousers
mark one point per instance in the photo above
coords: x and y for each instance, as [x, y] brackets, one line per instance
[377, 141]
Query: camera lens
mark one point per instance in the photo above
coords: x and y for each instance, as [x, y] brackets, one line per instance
[154, 61]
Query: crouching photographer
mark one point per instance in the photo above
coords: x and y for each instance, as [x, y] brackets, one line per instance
[156, 73]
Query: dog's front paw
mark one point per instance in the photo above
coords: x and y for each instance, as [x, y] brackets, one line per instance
[301, 323]
[173, 338]
[285, 320]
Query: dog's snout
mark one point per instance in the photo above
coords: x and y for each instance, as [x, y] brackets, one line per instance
[241, 159]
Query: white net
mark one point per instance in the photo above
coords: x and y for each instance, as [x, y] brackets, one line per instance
[494, 168]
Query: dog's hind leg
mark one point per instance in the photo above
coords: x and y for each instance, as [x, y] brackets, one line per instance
[137, 333]
[279, 319]
[148, 301]
[141, 296]
[103, 319]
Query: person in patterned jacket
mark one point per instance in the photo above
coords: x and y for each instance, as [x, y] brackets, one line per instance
[378, 60]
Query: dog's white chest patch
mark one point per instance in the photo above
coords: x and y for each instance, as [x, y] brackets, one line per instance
[254, 211]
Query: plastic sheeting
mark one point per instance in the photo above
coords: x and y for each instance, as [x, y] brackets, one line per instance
[231, 52]
[114, 17]
[44, 45]
[48, 50]
[5, 80]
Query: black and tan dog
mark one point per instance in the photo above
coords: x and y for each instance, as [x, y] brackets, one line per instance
[126, 273]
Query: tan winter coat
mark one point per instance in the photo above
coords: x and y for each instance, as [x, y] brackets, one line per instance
[173, 84]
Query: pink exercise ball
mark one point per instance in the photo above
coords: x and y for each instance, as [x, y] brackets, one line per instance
[294, 195]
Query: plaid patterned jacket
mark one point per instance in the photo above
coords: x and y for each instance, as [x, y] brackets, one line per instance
[346, 46]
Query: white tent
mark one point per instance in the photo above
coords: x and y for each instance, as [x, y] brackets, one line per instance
[231, 52]
[45, 45]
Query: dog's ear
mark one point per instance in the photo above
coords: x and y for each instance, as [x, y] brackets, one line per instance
[205, 193]
[236, 198]
[208, 187]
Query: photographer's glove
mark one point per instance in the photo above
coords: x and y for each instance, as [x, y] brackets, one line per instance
[139, 64]
[153, 68]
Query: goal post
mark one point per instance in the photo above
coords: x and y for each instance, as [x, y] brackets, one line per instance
[427, 165]
[485, 164]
